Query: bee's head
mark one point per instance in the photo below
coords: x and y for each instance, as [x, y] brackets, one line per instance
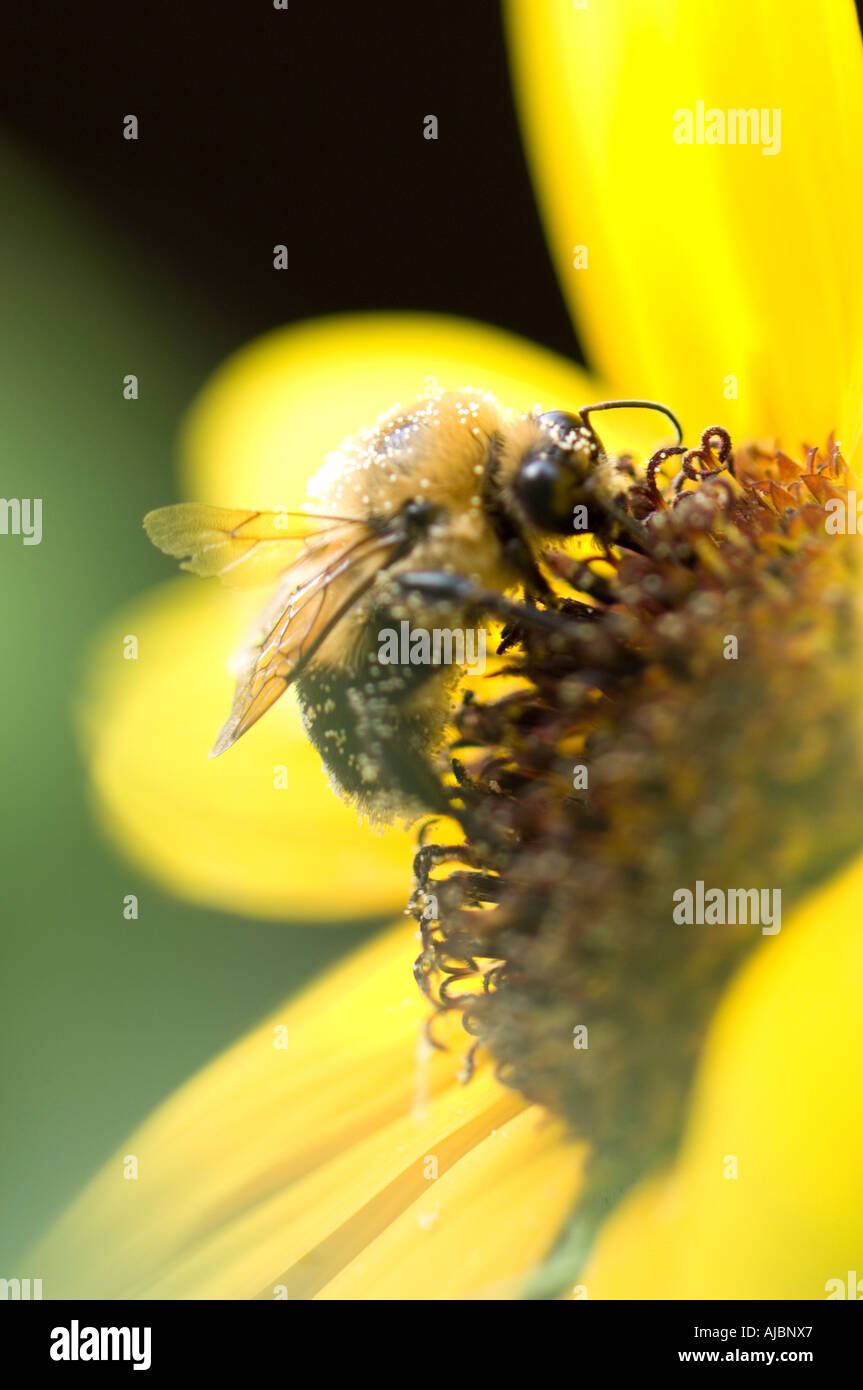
[551, 478]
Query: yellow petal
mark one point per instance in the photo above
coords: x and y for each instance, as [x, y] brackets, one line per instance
[277, 1168]
[779, 1092]
[259, 831]
[263, 424]
[481, 1227]
[705, 261]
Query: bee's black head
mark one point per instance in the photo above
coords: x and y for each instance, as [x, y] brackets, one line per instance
[551, 477]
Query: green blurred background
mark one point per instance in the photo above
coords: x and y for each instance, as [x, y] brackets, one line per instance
[101, 1017]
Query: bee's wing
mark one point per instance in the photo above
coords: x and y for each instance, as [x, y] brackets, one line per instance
[242, 548]
[315, 593]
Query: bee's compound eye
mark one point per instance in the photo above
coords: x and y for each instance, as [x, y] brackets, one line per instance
[543, 486]
[564, 428]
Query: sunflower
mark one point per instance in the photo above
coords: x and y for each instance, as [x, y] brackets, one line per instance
[333, 1153]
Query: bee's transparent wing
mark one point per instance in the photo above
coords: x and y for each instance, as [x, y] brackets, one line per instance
[316, 592]
[242, 548]
[323, 565]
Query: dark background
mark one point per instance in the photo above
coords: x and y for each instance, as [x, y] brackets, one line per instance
[256, 127]
[260, 126]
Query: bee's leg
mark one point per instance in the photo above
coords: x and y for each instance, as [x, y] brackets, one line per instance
[536, 586]
[455, 589]
[416, 775]
[624, 531]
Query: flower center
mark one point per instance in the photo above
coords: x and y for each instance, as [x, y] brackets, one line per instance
[691, 731]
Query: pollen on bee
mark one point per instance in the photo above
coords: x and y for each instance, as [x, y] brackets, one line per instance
[367, 768]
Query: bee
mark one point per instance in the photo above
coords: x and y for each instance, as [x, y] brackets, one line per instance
[433, 514]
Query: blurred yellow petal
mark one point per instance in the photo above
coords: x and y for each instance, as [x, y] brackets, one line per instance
[278, 1167]
[705, 261]
[259, 831]
[266, 419]
[779, 1092]
[481, 1227]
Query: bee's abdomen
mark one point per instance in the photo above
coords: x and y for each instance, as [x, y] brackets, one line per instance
[375, 726]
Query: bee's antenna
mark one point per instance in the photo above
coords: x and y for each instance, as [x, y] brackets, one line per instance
[634, 405]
